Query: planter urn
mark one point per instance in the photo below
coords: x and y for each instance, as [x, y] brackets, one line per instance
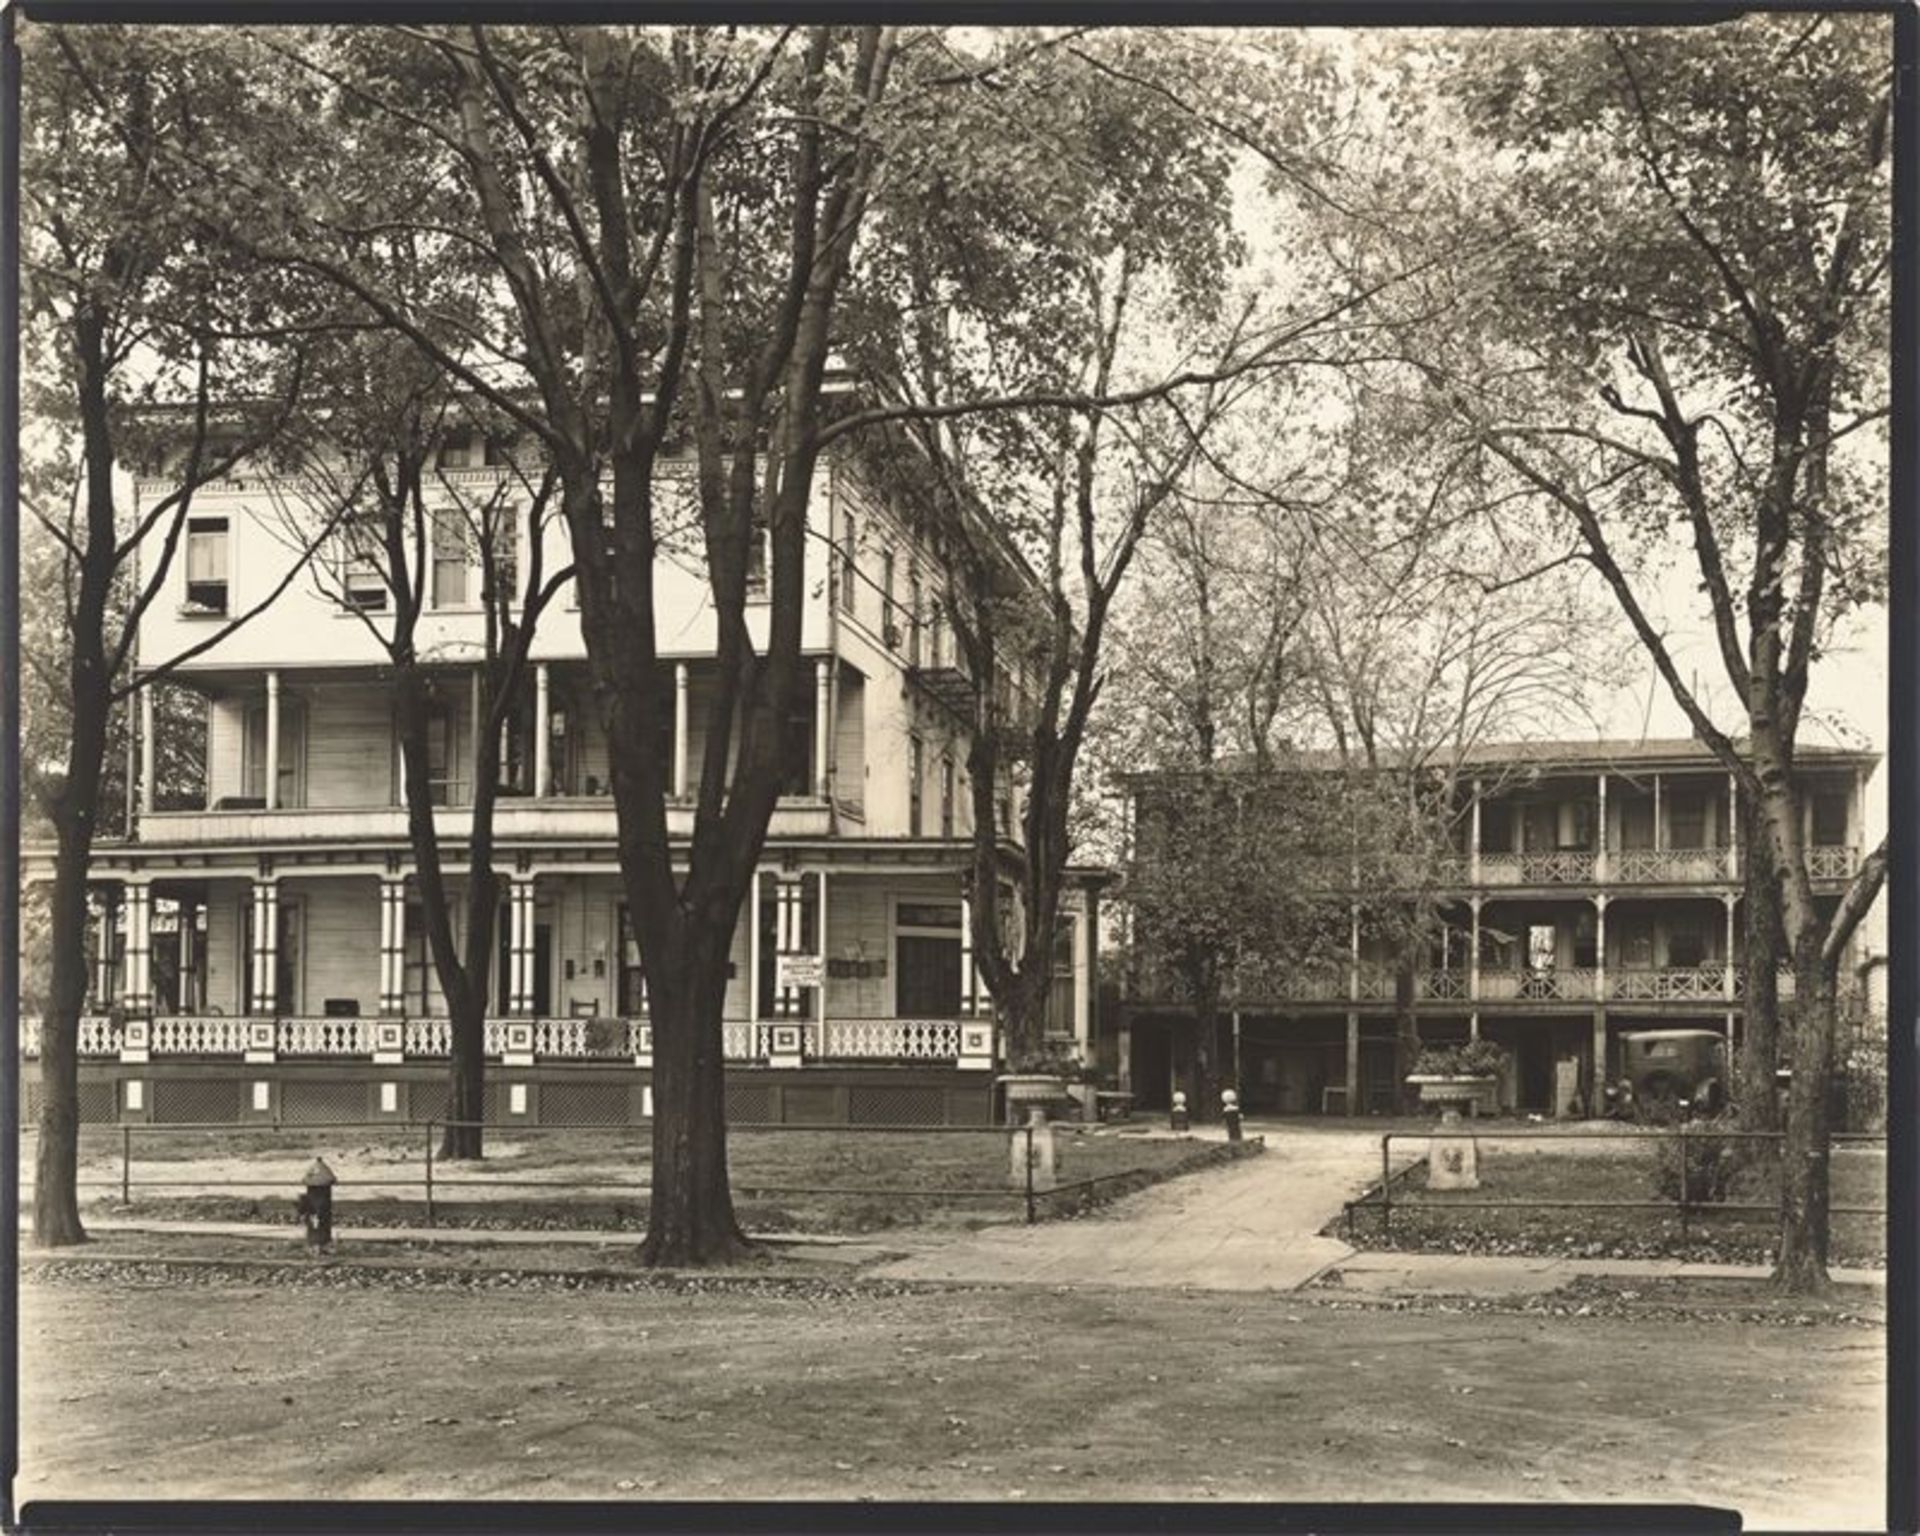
[1030, 1090]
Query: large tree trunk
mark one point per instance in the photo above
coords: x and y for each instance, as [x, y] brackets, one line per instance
[691, 1219]
[1806, 1153]
[1760, 1014]
[56, 1195]
[464, 1136]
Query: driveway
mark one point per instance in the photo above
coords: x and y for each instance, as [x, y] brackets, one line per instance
[1252, 1226]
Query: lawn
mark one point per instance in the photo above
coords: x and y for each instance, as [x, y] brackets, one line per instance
[136, 1385]
[1619, 1172]
[828, 1180]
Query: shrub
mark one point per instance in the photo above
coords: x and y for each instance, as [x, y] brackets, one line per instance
[1703, 1165]
[1472, 1058]
[1862, 1078]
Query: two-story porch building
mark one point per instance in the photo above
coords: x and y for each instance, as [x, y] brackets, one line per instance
[1594, 888]
[259, 949]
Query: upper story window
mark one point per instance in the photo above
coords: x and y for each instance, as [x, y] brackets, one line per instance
[913, 618]
[849, 564]
[946, 797]
[207, 564]
[1687, 820]
[889, 624]
[452, 559]
[363, 580]
[1829, 820]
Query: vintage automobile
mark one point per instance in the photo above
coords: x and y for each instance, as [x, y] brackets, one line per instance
[1667, 1072]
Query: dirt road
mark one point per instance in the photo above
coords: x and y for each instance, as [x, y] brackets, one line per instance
[162, 1390]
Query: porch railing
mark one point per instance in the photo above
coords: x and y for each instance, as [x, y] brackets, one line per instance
[1570, 984]
[1704, 984]
[891, 1039]
[1561, 867]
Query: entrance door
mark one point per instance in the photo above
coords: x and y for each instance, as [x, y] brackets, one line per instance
[1534, 1060]
[929, 984]
[1152, 1065]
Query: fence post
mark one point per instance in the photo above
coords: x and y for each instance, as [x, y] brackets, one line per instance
[126, 1161]
[1029, 1133]
[430, 1173]
[1686, 1181]
[1386, 1185]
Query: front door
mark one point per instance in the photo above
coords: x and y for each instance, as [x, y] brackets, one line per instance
[929, 986]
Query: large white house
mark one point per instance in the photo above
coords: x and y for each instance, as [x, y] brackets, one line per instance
[259, 951]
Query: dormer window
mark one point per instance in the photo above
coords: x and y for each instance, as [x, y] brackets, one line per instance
[207, 565]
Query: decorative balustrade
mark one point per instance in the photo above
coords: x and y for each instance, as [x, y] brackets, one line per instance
[1701, 984]
[99, 1036]
[323, 1037]
[1838, 863]
[741, 1040]
[585, 1039]
[1667, 866]
[891, 1039]
[1443, 986]
[428, 1037]
[1571, 984]
[1374, 984]
[190, 1035]
[1560, 867]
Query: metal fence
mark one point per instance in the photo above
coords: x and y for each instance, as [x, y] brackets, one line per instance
[425, 1175]
[1690, 1200]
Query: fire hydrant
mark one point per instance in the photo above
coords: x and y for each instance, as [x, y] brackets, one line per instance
[1178, 1119]
[1230, 1113]
[316, 1205]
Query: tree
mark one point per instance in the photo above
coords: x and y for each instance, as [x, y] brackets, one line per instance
[1055, 274]
[378, 451]
[1715, 367]
[662, 222]
[123, 309]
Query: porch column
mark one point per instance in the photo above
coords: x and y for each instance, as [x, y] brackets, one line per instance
[753, 947]
[680, 733]
[273, 741]
[136, 994]
[1597, 1099]
[1600, 947]
[1083, 989]
[393, 934]
[1600, 848]
[1353, 951]
[106, 921]
[1733, 828]
[1731, 979]
[520, 998]
[541, 724]
[1659, 830]
[1473, 853]
[262, 999]
[786, 937]
[820, 947]
[148, 752]
[186, 965]
[1353, 1062]
[969, 978]
[822, 719]
[1473, 951]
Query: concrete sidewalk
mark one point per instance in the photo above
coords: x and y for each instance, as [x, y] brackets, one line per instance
[1466, 1274]
[1251, 1226]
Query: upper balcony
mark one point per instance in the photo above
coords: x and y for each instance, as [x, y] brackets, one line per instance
[517, 819]
[1636, 867]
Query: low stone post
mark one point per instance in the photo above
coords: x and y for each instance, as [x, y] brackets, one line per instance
[1453, 1160]
[1230, 1113]
[1177, 1119]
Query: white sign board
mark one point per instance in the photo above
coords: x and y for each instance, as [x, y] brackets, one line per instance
[800, 971]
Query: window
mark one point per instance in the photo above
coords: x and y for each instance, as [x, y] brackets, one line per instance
[916, 772]
[1687, 821]
[1541, 943]
[913, 618]
[451, 558]
[1829, 820]
[796, 751]
[1686, 948]
[631, 996]
[757, 556]
[446, 755]
[927, 954]
[363, 581]
[290, 761]
[1060, 999]
[889, 628]
[849, 564]
[946, 797]
[207, 564]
